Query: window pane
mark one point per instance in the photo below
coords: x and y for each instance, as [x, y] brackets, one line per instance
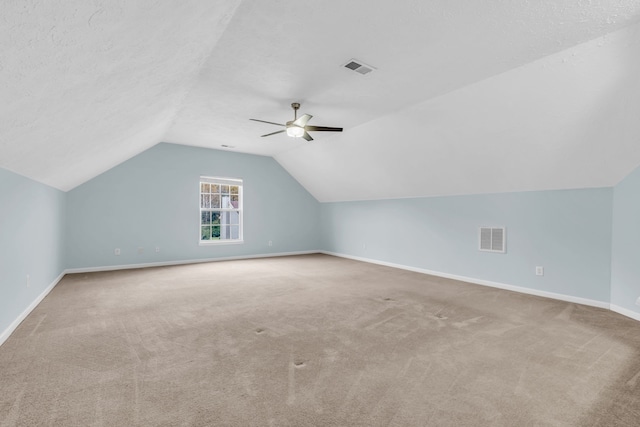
[205, 233]
[235, 232]
[224, 218]
[215, 218]
[207, 188]
[215, 233]
[234, 189]
[233, 218]
[202, 187]
[224, 232]
[205, 218]
[235, 202]
[225, 189]
[226, 203]
[207, 201]
[215, 201]
[215, 188]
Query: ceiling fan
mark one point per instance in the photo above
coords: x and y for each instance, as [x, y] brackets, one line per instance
[298, 126]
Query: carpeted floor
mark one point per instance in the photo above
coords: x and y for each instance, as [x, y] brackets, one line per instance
[313, 341]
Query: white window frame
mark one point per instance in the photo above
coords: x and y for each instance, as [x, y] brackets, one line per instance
[240, 209]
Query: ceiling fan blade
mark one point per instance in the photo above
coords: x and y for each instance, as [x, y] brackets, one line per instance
[307, 136]
[264, 121]
[302, 121]
[322, 128]
[273, 133]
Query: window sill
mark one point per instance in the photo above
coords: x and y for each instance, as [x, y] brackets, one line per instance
[220, 242]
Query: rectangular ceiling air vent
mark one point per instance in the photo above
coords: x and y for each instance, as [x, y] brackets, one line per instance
[492, 239]
[359, 67]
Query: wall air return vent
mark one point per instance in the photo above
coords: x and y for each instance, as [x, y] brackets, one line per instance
[359, 67]
[492, 239]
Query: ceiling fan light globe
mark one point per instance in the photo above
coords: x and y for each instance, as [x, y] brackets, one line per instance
[295, 131]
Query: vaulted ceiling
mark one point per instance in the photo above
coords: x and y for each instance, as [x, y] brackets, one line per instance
[467, 96]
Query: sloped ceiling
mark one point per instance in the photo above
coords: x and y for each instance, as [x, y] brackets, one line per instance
[568, 120]
[468, 96]
[85, 85]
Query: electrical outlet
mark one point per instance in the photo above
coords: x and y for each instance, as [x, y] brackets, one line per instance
[140, 250]
[157, 248]
[28, 281]
[638, 301]
[116, 251]
[270, 243]
[539, 271]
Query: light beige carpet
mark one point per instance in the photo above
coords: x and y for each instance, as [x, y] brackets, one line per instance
[313, 341]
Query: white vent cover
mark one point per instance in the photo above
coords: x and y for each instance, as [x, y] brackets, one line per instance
[359, 66]
[492, 239]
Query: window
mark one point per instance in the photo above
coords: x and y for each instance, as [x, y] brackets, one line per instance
[220, 210]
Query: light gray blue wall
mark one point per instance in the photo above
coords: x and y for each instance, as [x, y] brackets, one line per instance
[625, 259]
[31, 242]
[567, 232]
[152, 200]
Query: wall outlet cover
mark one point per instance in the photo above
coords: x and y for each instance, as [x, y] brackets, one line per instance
[539, 271]
[116, 251]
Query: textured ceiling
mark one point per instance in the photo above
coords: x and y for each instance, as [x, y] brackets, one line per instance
[469, 96]
[568, 120]
[86, 85]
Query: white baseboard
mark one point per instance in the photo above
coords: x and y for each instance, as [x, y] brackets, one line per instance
[181, 262]
[562, 297]
[626, 312]
[12, 327]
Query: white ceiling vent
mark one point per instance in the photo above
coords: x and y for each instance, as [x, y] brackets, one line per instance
[359, 67]
[492, 239]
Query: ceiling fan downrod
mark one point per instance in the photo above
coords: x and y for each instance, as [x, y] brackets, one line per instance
[295, 106]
